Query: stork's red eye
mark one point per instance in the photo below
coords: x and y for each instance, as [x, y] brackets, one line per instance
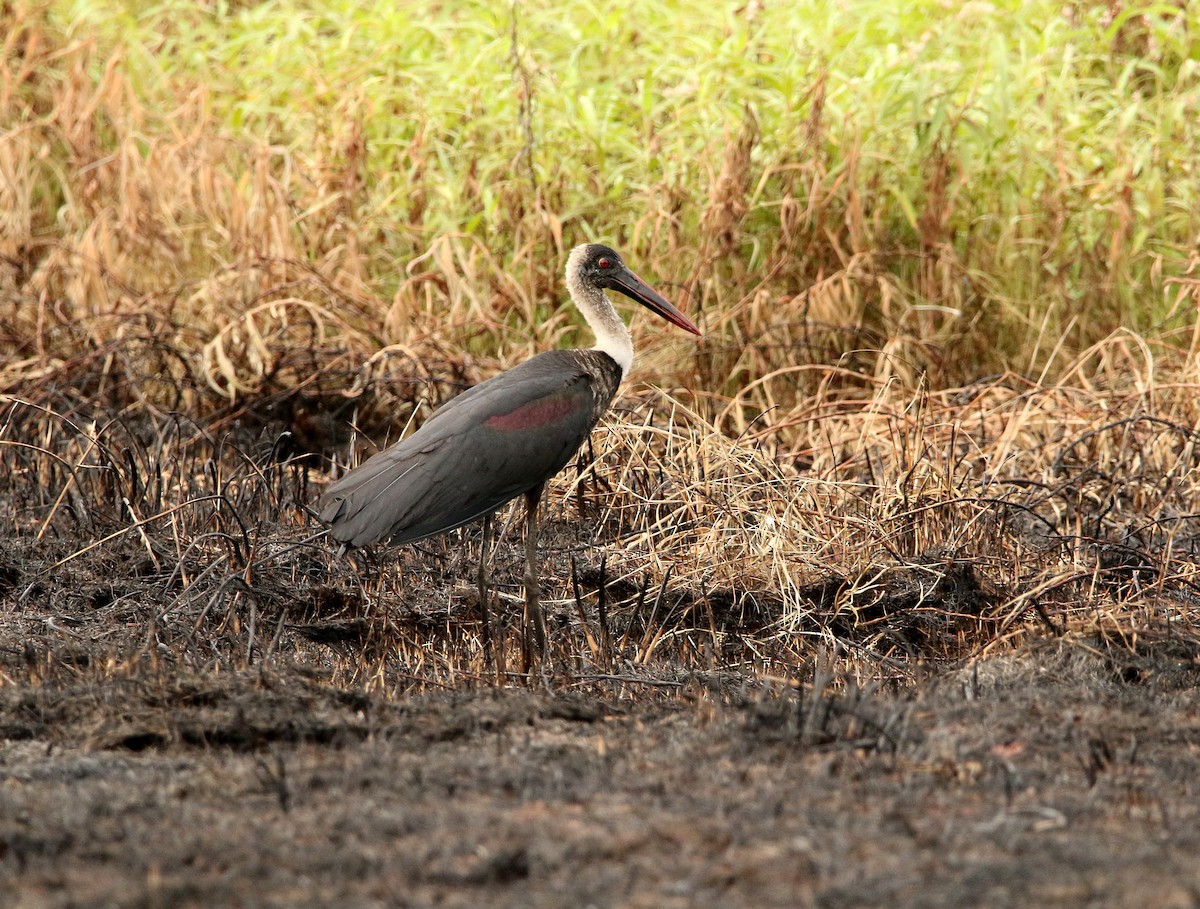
[605, 262]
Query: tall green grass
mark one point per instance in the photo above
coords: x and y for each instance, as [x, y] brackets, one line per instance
[985, 179]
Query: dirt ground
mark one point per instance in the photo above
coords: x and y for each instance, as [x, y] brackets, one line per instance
[1060, 776]
[207, 707]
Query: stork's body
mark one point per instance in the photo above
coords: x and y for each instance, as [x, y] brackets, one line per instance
[489, 445]
[503, 438]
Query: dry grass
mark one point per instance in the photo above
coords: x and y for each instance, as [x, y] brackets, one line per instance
[916, 531]
[195, 317]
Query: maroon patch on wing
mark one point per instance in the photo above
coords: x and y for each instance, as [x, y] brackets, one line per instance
[531, 416]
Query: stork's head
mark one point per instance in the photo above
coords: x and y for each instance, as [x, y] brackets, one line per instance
[594, 265]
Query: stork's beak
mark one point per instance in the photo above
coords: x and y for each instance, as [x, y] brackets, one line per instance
[635, 288]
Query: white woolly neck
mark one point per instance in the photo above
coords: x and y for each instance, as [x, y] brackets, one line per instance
[612, 336]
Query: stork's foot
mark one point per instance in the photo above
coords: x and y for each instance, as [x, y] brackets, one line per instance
[485, 624]
[534, 639]
[492, 654]
[491, 627]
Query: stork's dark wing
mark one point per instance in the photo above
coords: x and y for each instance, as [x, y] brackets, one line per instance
[499, 439]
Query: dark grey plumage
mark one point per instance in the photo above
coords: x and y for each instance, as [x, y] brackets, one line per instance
[475, 453]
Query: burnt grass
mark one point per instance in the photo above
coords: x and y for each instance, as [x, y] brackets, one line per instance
[201, 705]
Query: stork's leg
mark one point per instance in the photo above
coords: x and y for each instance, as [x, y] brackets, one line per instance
[485, 613]
[535, 623]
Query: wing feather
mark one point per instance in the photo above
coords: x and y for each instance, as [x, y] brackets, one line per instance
[499, 439]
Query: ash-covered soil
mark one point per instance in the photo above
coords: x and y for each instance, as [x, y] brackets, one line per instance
[1057, 777]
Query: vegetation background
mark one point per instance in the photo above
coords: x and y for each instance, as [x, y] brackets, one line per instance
[945, 413]
[936, 251]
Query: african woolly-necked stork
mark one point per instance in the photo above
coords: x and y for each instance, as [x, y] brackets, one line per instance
[503, 438]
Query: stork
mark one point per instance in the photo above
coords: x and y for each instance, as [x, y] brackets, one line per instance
[501, 439]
